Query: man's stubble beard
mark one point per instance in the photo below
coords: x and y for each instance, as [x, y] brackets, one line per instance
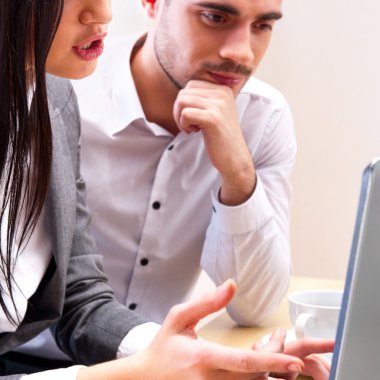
[163, 60]
[161, 44]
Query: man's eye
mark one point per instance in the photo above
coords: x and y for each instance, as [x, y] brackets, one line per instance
[214, 18]
[263, 27]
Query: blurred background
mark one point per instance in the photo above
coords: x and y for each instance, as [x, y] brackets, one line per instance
[324, 57]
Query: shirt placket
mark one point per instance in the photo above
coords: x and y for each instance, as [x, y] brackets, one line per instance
[155, 220]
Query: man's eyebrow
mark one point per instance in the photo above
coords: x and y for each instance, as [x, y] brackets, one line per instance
[269, 16]
[219, 7]
[235, 12]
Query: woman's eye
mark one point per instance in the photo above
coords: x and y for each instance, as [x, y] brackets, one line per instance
[214, 18]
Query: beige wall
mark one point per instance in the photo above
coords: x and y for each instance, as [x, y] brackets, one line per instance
[128, 17]
[325, 58]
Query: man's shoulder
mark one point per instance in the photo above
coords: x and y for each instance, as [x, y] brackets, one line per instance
[257, 89]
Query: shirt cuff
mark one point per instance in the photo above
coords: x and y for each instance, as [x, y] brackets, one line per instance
[137, 339]
[246, 217]
[69, 373]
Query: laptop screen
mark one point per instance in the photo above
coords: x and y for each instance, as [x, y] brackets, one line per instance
[357, 348]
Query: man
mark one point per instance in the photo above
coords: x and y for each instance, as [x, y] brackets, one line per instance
[187, 158]
[169, 124]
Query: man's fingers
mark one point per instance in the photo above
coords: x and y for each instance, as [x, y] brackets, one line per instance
[187, 315]
[190, 110]
[200, 118]
[188, 101]
[201, 84]
[201, 95]
[317, 367]
[307, 346]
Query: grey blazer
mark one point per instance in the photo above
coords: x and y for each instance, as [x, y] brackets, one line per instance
[74, 298]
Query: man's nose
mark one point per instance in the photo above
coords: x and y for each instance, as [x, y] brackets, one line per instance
[238, 47]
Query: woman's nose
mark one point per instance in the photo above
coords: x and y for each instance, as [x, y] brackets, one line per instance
[96, 12]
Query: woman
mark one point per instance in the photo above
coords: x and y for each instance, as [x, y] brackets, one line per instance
[50, 273]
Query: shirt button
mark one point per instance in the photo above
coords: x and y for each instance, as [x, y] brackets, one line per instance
[156, 205]
[132, 306]
[171, 147]
[144, 262]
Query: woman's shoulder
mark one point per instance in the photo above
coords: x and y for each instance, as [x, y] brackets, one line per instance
[63, 106]
[59, 91]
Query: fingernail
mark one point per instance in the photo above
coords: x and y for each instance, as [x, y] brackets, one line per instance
[294, 368]
[225, 286]
[278, 333]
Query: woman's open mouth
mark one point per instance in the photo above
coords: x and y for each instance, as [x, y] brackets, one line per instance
[91, 49]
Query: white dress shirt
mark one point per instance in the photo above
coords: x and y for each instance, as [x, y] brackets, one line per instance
[29, 268]
[153, 198]
[29, 264]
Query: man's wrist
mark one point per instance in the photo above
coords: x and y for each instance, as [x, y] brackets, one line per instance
[238, 189]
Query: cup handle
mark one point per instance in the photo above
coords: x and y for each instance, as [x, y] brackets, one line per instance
[304, 321]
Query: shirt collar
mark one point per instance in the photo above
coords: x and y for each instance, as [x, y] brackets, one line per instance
[119, 84]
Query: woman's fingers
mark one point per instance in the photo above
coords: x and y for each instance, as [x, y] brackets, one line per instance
[248, 361]
[307, 346]
[185, 316]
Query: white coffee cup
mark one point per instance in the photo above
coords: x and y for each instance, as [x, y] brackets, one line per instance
[315, 313]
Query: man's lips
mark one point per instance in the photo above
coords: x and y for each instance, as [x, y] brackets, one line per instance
[225, 79]
[91, 48]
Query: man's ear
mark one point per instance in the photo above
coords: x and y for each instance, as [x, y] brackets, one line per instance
[150, 7]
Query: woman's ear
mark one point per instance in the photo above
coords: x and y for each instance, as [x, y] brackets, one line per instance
[150, 7]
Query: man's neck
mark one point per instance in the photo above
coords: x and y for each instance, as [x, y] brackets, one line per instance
[156, 93]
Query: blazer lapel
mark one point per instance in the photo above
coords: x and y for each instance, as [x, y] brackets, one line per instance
[61, 201]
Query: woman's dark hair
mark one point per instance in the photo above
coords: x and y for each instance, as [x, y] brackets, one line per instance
[27, 28]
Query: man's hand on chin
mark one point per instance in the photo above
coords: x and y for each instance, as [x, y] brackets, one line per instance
[211, 108]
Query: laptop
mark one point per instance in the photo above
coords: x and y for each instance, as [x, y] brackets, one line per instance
[357, 348]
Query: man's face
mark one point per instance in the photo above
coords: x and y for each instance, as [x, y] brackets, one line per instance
[221, 41]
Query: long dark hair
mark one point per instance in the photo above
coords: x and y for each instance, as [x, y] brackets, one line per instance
[27, 28]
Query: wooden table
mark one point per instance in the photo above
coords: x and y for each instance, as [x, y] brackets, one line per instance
[224, 331]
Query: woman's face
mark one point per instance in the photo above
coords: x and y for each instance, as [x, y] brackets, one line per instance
[79, 39]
